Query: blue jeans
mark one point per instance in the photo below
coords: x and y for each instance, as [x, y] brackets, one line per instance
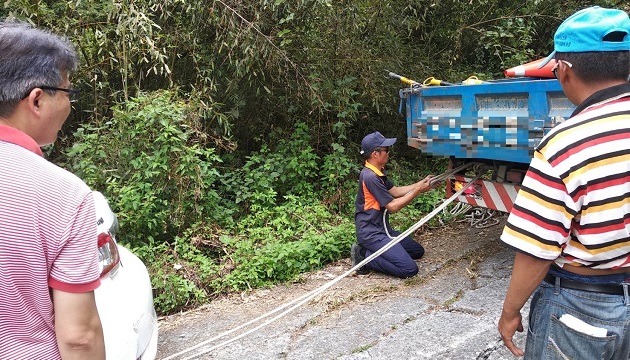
[398, 260]
[549, 338]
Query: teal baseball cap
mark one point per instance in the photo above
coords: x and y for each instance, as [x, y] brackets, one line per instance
[592, 29]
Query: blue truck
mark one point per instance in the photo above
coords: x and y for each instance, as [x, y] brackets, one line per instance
[495, 123]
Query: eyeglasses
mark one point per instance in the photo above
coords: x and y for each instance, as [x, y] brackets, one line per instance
[554, 70]
[72, 93]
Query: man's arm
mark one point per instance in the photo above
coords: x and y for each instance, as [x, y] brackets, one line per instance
[78, 326]
[527, 274]
[403, 195]
[422, 185]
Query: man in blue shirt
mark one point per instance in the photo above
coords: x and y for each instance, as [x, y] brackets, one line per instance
[376, 197]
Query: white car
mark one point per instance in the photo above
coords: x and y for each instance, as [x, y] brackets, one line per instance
[125, 297]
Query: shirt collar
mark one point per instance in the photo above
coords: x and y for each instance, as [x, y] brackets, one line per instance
[602, 95]
[378, 171]
[15, 136]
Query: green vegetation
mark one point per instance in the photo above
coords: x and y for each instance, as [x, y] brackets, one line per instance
[225, 134]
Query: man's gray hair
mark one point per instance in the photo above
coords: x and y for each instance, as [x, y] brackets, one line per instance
[29, 58]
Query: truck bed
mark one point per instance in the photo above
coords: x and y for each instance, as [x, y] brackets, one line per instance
[500, 120]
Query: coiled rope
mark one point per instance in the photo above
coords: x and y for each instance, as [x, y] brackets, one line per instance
[478, 217]
[309, 296]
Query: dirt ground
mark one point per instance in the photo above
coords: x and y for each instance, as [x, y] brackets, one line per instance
[444, 246]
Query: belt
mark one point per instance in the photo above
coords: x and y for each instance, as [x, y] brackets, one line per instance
[612, 289]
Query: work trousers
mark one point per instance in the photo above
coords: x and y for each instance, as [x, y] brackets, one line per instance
[398, 260]
[550, 338]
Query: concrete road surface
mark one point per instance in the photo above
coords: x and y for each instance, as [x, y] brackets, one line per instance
[449, 311]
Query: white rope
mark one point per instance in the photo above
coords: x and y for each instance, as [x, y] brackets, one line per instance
[307, 297]
[459, 209]
[439, 178]
[434, 181]
[481, 218]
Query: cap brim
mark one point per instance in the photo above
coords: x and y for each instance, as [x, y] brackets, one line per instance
[388, 142]
[547, 59]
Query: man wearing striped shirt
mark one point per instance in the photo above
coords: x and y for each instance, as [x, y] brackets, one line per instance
[570, 224]
[48, 237]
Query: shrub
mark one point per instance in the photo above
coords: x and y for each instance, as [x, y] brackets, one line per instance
[278, 244]
[268, 175]
[152, 162]
[181, 273]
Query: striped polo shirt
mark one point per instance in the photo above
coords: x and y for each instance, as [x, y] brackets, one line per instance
[48, 239]
[574, 205]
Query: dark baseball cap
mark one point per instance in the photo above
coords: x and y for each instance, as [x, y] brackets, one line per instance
[374, 140]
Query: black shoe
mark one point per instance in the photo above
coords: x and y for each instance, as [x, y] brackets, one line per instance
[355, 255]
